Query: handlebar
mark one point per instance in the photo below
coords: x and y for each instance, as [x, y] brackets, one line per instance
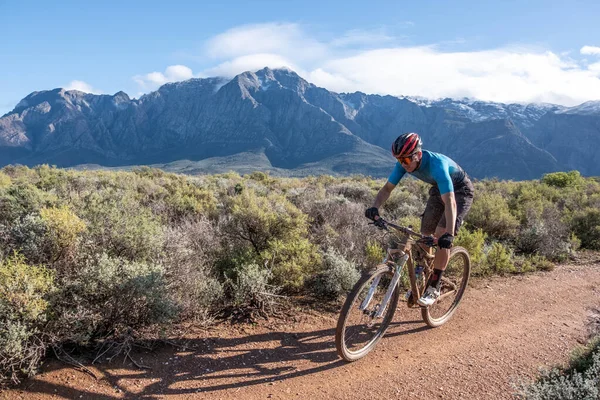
[383, 224]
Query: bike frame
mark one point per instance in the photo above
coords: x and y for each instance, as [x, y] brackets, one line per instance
[397, 258]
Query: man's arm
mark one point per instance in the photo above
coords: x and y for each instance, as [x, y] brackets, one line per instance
[384, 194]
[449, 211]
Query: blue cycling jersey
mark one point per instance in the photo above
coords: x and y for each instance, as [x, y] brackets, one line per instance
[436, 169]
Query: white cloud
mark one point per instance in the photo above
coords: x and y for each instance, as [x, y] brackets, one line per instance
[173, 73]
[82, 87]
[284, 39]
[495, 75]
[374, 62]
[590, 50]
[252, 62]
[595, 67]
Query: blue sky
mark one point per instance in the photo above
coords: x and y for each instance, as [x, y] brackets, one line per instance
[503, 51]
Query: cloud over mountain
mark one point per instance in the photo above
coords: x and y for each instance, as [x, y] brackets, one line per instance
[380, 63]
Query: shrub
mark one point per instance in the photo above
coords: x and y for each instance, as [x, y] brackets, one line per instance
[259, 176]
[541, 263]
[402, 204]
[276, 230]
[111, 296]
[498, 260]
[24, 310]
[574, 243]
[563, 179]
[491, 214]
[531, 199]
[473, 242]
[586, 225]
[374, 253]
[545, 234]
[579, 381]
[121, 226]
[62, 226]
[292, 261]
[21, 199]
[412, 221]
[187, 199]
[354, 191]
[191, 250]
[251, 293]
[532, 263]
[28, 236]
[340, 224]
[338, 277]
[4, 180]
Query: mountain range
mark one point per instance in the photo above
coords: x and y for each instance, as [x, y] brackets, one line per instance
[274, 120]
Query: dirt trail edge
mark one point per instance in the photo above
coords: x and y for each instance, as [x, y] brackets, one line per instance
[505, 328]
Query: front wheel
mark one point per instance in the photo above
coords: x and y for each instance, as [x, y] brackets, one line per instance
[454, 284]
[358, 330]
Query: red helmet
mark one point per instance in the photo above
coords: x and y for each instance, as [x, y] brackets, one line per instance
[406, 144]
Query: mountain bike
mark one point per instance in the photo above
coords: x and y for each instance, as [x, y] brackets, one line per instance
[371, 304]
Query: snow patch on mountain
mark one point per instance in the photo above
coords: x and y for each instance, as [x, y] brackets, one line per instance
[587, 108]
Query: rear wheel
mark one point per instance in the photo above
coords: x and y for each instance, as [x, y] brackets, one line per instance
[358, 331]
[454, 284]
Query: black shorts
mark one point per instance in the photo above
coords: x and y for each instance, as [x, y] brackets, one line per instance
[434, 215]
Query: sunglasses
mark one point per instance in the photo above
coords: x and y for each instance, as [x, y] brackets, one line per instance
[405, 160]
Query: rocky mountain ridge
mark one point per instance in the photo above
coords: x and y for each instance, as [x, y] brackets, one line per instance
[275, 120]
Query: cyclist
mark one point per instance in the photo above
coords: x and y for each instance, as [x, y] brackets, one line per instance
[449, 201]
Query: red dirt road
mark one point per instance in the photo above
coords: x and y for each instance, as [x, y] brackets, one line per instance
[503, 329]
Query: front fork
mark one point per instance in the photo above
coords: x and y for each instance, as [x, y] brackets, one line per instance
[390, 289]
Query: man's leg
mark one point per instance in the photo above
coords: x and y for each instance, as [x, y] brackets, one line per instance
[464, 200]
[440, 261]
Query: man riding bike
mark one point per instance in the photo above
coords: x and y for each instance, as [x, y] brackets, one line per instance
[449, 201]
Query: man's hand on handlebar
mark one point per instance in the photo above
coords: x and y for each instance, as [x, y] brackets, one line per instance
[372, 213]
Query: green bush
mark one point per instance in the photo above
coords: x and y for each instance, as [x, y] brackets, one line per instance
[586, 225]
[24, 309]
[340, 224]
[21, 199]
[374, 253]
[402, 204]
[292, 261]
[63, 228]
[563, 179]
[121, 226]
[498, 260]
[4, 180]
[530, 263]
[530, 199]
[188, 199]
[491, 214]
[277, 233]
[474, 243]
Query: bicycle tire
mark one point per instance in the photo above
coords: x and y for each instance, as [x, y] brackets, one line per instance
[351, 304]
[426, 312]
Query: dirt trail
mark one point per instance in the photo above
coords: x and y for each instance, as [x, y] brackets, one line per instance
[504, 328]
